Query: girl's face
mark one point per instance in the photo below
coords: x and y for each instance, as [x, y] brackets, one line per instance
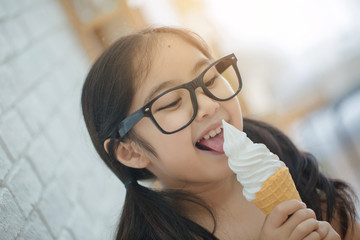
[179, 162]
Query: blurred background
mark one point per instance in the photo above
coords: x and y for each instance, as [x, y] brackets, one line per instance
[299, 60]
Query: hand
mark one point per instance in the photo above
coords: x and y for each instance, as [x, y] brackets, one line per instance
[326, 231]
[293, 221]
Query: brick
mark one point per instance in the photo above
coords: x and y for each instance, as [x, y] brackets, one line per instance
[74, 70]
[34, 22]
[3, 12]
[27, 67]
[48, 89]
[54, 50]
[71, 111]
[44, 157]
[5, 163]
[6, 49]
[105, 214]
[67, 78]
[48, 94]
[8, 90]
[32, 110]
[60, 52]
[43, 56]
[55, 208]
[95, 175]
[11, 220]
[81, 225]
[38, 20]
[79, 157]
[98, 175]
[25, 186]
[59, 134]
[33, 63]
[25, 4]
[66, 235]
[10, 7]
[14, 133]
[70, 177]
[35, 229]
[53, 12]
[14, 29]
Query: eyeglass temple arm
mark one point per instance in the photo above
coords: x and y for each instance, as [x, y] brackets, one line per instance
[128, 123]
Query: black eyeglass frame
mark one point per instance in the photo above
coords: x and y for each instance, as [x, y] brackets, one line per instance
[129, 122]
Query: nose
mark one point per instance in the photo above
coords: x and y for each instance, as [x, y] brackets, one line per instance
[206, 105]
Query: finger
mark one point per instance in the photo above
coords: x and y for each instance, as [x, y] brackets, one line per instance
[282, 211]
[312, 236]
[305, 229]
[323, 229]
[332, 235]
[299, 216]
[327, 232]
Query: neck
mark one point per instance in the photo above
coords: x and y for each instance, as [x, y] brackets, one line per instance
[218, 194]
[213, 193]
[223, 197]
[235, 216]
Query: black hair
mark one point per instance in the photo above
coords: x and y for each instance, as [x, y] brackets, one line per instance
[158, 214]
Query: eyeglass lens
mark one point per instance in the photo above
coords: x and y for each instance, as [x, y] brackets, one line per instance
[174, 109]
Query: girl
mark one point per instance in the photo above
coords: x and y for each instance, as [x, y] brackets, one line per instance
[153, 104]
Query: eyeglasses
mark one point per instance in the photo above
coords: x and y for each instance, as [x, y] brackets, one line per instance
[175, 108]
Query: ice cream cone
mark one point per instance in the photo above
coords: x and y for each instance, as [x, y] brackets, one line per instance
[276, 189]
[265, 178]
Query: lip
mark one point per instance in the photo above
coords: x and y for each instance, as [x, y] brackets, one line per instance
[208, 130]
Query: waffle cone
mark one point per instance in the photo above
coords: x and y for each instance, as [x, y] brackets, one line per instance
[276, 189]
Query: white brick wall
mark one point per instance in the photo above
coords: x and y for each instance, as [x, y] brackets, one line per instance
[52, 183]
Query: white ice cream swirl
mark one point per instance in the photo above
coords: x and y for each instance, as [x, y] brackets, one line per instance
[252, 162]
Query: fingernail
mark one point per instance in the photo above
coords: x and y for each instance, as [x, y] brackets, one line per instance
[304, 204]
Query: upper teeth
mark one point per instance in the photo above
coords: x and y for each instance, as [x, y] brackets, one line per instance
[212, 133]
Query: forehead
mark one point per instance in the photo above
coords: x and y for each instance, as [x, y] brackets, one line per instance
[172, 60]
[172, 53]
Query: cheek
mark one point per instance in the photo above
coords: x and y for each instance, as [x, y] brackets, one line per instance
[172, 149]
[174, 146]
[176, 157]
[165, 145]
[145, 129]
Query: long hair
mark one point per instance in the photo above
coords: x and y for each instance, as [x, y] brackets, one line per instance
[106, 97]
[150, 214]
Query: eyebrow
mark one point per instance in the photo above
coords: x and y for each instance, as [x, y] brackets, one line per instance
[157, 89]
[200, 64]
[169, 83]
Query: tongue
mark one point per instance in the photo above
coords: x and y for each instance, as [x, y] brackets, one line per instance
[215, 143]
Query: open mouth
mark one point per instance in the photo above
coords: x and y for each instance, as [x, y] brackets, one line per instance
[213, 141]
[202, 147]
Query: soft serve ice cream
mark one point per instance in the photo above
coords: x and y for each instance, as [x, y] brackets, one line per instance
[252, 162]
[254, 165]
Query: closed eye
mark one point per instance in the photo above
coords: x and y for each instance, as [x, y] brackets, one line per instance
[211, 81]
[173, 104]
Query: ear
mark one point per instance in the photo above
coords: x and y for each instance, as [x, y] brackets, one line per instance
[129, 154]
